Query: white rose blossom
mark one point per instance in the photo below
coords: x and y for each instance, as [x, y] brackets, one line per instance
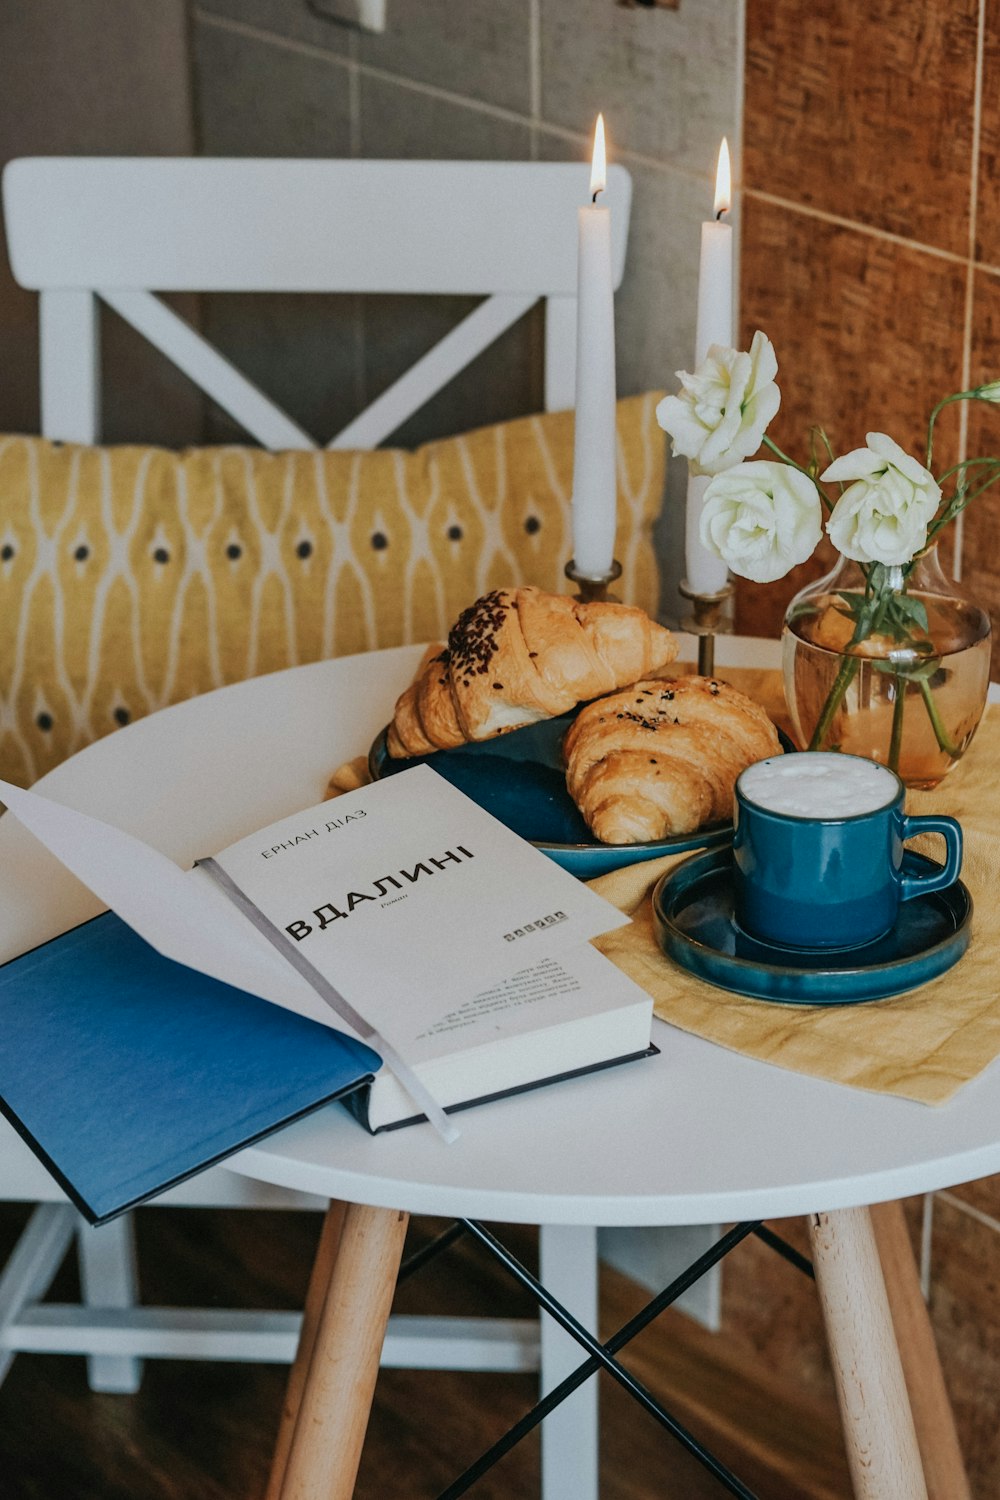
[884, 513]
[723, 409]
[763, 518]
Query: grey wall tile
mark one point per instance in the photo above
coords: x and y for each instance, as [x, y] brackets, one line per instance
[506, 379]
[504, 382]
[655, 325]
[657, 303]
[256, 98]
[99, 77]
[94, 77]
[666, 80]
[302, 350]
[146, 399]
[294, 19]
[479, 47]
[405, 122]
[19, 401]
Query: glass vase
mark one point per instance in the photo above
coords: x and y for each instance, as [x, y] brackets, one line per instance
[889, 663]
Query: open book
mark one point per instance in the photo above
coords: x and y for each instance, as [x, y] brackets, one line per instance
[402, 915]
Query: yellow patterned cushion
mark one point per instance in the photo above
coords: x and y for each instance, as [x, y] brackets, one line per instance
[133, 577]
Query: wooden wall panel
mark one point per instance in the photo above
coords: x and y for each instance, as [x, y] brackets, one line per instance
[845, 106]
[868, 335]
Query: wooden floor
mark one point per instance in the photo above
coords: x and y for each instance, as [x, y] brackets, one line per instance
[199, 1431]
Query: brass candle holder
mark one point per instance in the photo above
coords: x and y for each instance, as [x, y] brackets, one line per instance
[591, 590]
[707, 620]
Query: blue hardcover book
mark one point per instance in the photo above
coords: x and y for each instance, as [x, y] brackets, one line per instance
[127, 1072]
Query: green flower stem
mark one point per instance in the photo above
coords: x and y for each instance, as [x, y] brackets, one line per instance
[969, 498]
[946, 743]
[896, 737]
[955, 508]
[974, 395]
[846, 674]
[967, 463]
[769, 443]
[947, 401]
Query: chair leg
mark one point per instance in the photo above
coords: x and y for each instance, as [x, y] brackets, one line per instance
[32, 1264]
[109, 1278]
[322, 1270]
[569, 1269]
[339, 1383]
[881, 1442]
[933, 1418]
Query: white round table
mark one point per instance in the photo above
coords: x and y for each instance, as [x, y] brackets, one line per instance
[698, 1135]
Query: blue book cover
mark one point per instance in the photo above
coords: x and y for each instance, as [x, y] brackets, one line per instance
[126, 1072]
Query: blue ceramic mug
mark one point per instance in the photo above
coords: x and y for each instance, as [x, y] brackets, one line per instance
[818, 850]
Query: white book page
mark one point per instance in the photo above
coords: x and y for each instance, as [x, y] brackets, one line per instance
[565, 987]
[181, 914]
[409, 898]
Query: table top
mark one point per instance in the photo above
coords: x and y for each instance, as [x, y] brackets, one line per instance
[696, 1135]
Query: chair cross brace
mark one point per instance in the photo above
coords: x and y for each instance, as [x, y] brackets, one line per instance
[601, 1356]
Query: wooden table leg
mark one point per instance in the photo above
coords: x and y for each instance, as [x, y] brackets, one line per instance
[944, 1470]
[322, 1270]
[340, 1380]
[878, 1428]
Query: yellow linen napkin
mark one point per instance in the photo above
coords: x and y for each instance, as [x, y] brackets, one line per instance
[923, 1045]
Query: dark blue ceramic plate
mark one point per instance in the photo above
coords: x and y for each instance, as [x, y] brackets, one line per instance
[519, 778]
[693, 916]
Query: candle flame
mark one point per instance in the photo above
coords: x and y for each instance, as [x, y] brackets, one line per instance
[599, 167]
[723, 181]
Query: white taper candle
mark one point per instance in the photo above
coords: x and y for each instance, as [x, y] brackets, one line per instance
[706, 573]
[595, 487]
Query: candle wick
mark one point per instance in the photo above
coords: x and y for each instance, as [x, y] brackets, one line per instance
[594, 198]
[718, 217]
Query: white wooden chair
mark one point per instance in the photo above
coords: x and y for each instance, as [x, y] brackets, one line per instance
[84, 230]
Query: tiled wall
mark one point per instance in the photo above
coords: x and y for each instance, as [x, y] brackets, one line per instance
[106, 77]
[871, 256]
[514, 79]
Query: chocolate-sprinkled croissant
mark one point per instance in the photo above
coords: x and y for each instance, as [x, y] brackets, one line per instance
[662, 757]
[518, 655]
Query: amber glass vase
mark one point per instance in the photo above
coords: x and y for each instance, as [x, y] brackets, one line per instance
[889, 663]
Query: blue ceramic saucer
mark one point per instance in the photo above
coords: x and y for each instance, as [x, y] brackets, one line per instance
[695, 926]
[519, 778]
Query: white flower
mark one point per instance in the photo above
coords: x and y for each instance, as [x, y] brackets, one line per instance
[884, 514]
[989, 392]
[723, 409]
[762, 518]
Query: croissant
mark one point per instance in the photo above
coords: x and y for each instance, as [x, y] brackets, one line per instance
[663, 756]
[518, 655]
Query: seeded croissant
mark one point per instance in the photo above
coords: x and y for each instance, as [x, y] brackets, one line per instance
[519, 655]
[662, 757]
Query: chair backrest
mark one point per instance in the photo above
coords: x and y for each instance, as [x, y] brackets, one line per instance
[122, 229]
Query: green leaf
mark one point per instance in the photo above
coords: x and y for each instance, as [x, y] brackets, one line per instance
[855, 602]
[907, 608]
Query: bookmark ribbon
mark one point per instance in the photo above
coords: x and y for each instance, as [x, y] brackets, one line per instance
[418, 1092]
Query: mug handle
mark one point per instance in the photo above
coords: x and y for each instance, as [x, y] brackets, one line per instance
[922, 885]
